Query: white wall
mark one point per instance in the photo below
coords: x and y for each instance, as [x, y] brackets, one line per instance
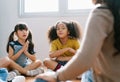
[9, 16]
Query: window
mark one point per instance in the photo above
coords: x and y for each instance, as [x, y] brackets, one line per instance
[79, 4]
[34, 6]
[30, 8]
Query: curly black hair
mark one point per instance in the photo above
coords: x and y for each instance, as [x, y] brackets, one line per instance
[72, 26]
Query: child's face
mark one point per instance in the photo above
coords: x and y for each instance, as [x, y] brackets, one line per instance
[62, 30]
[22, 34]
[94, 1]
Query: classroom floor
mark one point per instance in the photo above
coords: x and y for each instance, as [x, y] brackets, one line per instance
[31, 79]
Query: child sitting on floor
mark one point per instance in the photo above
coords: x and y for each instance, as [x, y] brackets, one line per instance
[64, 41]
[21, 51]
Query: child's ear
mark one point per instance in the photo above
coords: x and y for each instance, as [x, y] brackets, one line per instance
[15, 36]
[15, 33]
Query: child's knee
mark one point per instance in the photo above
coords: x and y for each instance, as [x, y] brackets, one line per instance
[46, 61]
[5, 62]
[38, 62]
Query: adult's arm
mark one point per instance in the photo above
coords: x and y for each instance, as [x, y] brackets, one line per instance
[97, 29]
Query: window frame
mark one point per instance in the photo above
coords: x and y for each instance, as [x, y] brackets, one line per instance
[63, 11]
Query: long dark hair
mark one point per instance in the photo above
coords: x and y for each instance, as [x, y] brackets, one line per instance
[29, 38]
[114, 7]
[72, 27]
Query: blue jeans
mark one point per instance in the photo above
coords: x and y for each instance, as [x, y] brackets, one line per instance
[61, 62]
[87, 76]
[3, 74]
[39, 80]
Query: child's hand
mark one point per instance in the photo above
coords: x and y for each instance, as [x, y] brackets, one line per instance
[48, 76]
[25, 47]
[72, 50]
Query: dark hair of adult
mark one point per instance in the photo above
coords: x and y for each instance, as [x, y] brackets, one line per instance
[29, 38]
[114, 7]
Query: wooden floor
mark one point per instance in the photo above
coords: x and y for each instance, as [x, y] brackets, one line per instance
[31, 79]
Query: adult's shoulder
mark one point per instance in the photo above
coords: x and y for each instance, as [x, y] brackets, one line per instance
[101, 9]
[102, 17]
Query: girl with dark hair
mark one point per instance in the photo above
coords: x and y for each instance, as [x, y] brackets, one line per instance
[64, 41]
[100, 47]
[22, 49]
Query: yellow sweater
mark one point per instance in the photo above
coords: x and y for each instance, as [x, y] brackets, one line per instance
[96, 50]
[57, 45]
